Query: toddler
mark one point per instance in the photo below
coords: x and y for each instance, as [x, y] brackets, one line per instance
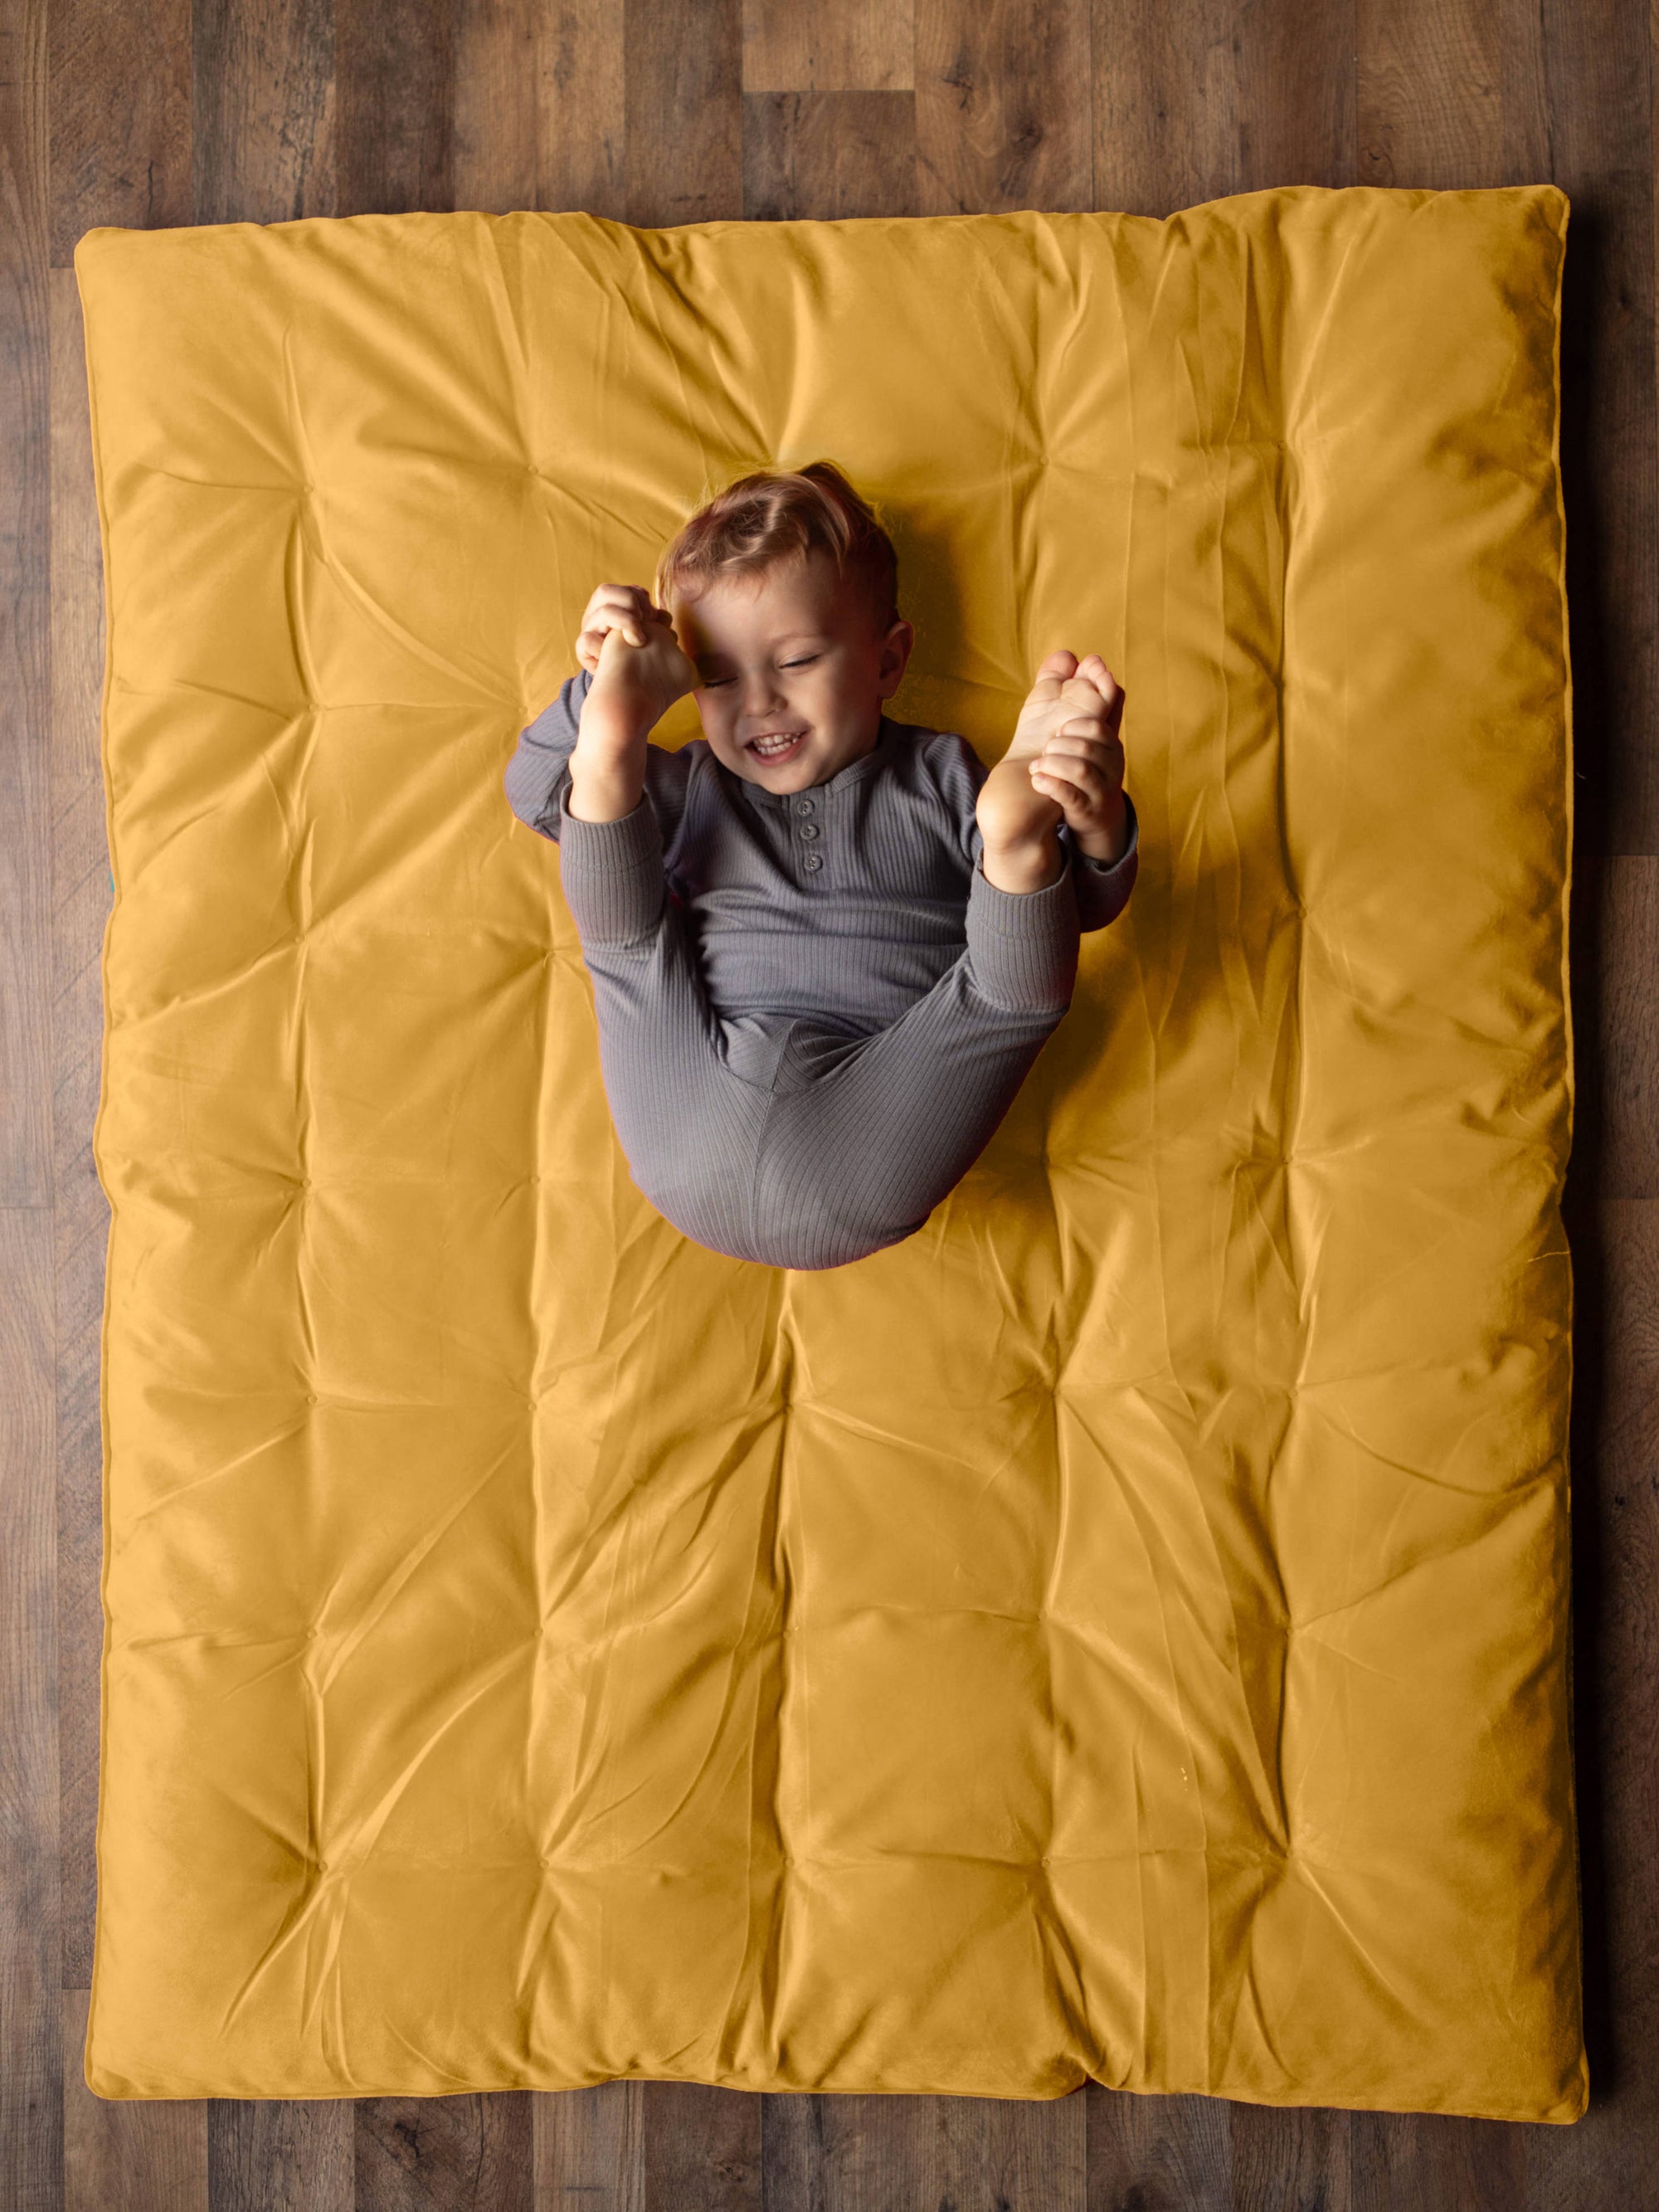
[825, 946]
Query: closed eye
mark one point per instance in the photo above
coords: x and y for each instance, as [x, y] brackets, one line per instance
[716, 683]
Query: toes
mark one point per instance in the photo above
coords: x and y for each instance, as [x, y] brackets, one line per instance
[1060, 664]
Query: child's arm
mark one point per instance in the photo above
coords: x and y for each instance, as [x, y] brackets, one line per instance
[638, 672]
[1102, 887]
[542, 774]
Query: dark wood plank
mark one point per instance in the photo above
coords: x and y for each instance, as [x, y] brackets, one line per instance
[540, 111]
[394, 86]
[1003, 107]
[828, 156]
[683, 98]
[1195, 102]
[1597, 85]
[275, 2156]
[829, 45]
[80, 907]
[1430, 91]
[1159, 2153]
[264, 137]
[31, 2143]
[1291, 2155]
[1612, 2155]
[590, 2149]
[1165, 103]
[30, 2125]
[703, 2149]
[850, 2153]
[498, 67]
[136, 2154]
[1451, 95]
[120, 97]
[444, 2154]
[1011, 2155]
[24, 641]
[1622, 1044]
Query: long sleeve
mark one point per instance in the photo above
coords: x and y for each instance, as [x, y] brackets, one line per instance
[537, 778]
[1102, 887]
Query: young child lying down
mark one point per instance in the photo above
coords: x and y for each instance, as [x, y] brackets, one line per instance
[826, 947]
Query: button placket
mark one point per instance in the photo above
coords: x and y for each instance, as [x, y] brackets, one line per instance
[812, 862]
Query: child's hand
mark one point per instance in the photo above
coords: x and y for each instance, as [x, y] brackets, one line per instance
[638, 670]
[1067, 736]
[626, 607]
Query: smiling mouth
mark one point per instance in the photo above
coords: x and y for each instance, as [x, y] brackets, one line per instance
[777, 745]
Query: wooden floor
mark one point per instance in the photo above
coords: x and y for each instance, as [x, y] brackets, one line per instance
[159, 113]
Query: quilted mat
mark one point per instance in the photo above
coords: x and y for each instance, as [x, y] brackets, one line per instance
[1121, 1631]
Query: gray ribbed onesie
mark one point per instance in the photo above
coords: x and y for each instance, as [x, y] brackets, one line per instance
[814, 1009]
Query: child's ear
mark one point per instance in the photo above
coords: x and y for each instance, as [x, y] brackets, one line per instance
[894, 655]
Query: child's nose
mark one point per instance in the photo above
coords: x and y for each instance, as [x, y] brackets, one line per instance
[762, 692]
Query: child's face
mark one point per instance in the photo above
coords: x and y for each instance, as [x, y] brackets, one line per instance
[792, 653]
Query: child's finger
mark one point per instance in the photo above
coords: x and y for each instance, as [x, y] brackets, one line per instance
[1086, 775]
[626, 607]
[1105, 755]
[1058, 787]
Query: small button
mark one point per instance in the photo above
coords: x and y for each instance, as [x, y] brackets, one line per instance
[803, 806]
[809, 829]
[813, 860]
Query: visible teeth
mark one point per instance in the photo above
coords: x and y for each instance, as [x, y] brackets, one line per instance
[774, 744]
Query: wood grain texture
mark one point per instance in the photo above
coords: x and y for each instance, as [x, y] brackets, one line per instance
[1195, 102]
[590, 2149]
[682, 105]
[31, 2135]
[828, 156]
[260, 110]
[126, 2156]
[1627, 1063]
[394, 79]
[30, 2127]
[1160, 2153]
[976, 2154]
[80, 908]
[703, 2149]
[1596, 63]
[263, 135]
[1003, 107]
[444, 2155]
[25, 647]
[120, 98]
[829, 45]
[1612, 2156]
[540, 107]
[280, 2157]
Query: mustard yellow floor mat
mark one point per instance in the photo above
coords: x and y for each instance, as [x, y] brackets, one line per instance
[1121, 1631]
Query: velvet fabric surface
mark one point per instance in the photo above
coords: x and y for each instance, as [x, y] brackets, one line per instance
[1121, 1631]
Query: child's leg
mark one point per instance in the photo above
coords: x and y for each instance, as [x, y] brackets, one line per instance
[864, 1138]
[687, 1126]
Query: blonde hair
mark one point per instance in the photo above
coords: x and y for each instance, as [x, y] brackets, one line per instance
[773, 517]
